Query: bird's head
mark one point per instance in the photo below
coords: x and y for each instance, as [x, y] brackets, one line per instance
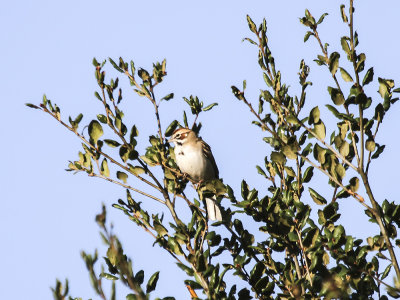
[182, 136]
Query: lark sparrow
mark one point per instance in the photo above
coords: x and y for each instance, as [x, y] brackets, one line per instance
[193, 157]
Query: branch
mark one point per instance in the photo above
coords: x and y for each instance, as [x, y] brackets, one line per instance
[126, 186]
[304, 258]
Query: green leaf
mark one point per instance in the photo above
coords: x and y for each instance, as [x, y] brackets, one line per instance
[32, 105]
[171, 128]
[151, 284]
[321, 19]
[340, 171]
[115, 65]
[344, 148]
[342, 12]
[319, 153]
[278, 158]
[334, 62]
[349, 244]
[252, 26]
[314, 116]
[122, 176]
[95, 131]
[290, 151]
[336, 96]
[386, 272]
[370, 145]
[385, 85]
[345, 46]
[317, 197]
[354, 184]
[320, 130]
[290, 171]
[338, 232]
[307, 36]
[208, 107]
[108, 276]
[333, 110]
[112, 143]
[345, 75]
[104, 168]
[168, 97]
[102, 118]
[308, 174]
[378, 152]
[137, 170]
[369, 76]
[292, 119]
[293, 237]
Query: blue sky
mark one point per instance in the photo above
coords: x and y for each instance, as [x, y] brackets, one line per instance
[47, 214]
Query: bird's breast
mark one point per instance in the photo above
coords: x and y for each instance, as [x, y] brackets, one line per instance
[192, 161]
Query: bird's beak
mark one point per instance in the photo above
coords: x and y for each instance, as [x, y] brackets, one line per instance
[170, 140]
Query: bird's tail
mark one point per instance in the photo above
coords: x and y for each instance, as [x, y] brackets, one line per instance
[213, 211]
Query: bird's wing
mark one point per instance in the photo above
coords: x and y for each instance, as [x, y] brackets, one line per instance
[208, 154]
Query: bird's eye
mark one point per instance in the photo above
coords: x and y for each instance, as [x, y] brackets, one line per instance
[178, 136]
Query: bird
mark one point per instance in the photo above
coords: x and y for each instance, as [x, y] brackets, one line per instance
[194, 158]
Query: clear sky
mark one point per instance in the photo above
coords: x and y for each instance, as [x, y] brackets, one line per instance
[47, 214]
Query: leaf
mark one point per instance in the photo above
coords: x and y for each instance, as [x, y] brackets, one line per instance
[342, 12]
[122, 176]
[321, 19]
[102, 118]
[317, 197]
[308, 174]
[319, 153]
[336, 96]
[108, 276]
[209, 107]
[349, 244]
[95, 131]
[151, 284]
[320, 130]
[333, 110]
[278, 158]
[354, 184]
[112, 143]
[307, 36]
[386, 272]
[345, 46]
[370, 145]
[340, 171]
[334, 62]
[345, 75]
[338, 233]
[171, 128]
[104, 168]
[32, 105]
[385, 85]
[252, 26]
[168, 97]
[314, 116]
[290, 151]
[344, 149]
[137, 170]
[290, 171]
[378, 152]
[292, 119]
[369, 76]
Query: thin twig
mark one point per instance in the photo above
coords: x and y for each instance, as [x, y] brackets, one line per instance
[126, 186]
[304, 258]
